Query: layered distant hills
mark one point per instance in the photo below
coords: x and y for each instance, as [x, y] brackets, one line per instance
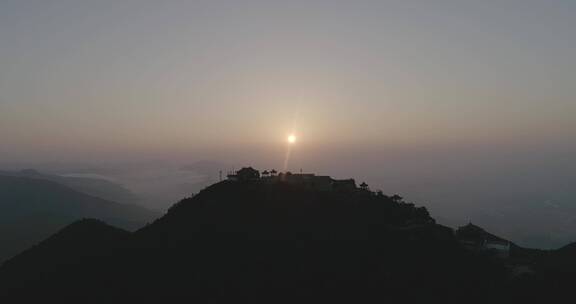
[34, 206]
[97, 187]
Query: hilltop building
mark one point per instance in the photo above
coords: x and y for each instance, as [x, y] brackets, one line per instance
[307, 180]
[245, 174]
[477, 239]
[344, 184]
[322, 183]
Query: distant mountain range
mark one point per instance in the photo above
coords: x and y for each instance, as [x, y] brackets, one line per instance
[34, 206]
[97, 187]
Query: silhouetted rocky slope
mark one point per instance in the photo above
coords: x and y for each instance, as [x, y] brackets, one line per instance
[275, 241]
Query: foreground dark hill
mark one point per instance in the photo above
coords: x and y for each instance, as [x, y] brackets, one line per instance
[266, 240]
[87, 241]
[32, 209]
[261, 211]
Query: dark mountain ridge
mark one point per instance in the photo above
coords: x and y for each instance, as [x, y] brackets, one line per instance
[273, 241]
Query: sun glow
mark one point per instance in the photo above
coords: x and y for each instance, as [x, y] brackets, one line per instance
[291, 139]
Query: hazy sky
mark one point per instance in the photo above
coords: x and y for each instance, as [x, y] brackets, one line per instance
[88, 79]
[446, 101]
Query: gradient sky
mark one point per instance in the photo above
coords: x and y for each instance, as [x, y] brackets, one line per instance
[444, 100]
[165, 78]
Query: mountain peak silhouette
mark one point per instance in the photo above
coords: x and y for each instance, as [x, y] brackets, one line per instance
[274, 240]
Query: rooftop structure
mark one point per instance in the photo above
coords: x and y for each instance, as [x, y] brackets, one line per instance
[477, 239]
[307, 180]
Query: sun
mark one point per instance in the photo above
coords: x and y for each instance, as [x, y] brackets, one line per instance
[291, 139]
